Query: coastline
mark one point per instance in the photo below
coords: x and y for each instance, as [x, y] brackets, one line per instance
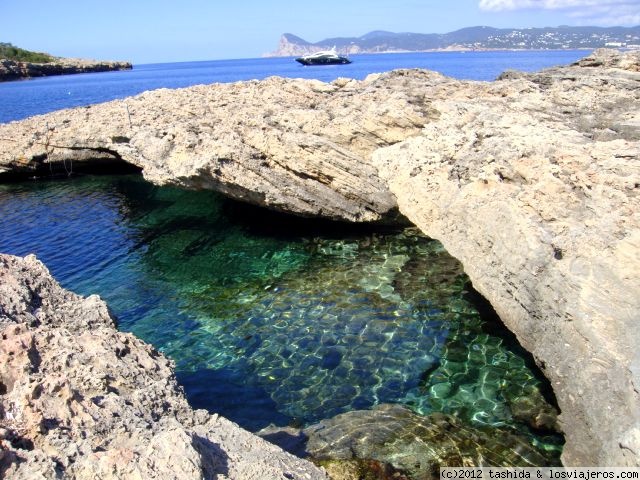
[446, 50]
[11, 70]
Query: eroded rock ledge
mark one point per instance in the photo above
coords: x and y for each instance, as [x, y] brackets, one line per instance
[14, 70]
[531, 181]
[299, 146]
[78, 399]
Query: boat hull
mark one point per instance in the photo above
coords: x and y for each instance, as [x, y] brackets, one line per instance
[323, 61]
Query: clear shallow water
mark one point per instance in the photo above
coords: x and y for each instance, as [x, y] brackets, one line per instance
[21, 99]
[271, 320]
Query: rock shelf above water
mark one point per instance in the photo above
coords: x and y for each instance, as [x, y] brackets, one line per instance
[531, 181]
[300, 146]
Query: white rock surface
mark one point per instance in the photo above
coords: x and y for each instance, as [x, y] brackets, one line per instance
[300, 146]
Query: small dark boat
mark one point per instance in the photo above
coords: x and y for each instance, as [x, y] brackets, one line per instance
[327, 57]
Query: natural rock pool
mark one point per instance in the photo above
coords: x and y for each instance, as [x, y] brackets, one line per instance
[272, 320]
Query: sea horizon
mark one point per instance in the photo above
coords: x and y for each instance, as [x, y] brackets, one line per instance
[22, 99]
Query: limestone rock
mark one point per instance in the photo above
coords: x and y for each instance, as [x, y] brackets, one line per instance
[300, 146]
[78, 399]
[611, 59]
[532, 183]
[13, 70]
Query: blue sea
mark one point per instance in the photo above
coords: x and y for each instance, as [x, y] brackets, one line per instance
[269, 319]
[21, 99]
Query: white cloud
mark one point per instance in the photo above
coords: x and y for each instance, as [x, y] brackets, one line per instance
[599, 12]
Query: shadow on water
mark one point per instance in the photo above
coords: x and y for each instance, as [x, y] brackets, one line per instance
[268, 223]
[224, 387]
[493, 325]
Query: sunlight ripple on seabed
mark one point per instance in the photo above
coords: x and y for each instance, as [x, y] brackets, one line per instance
[278, 325]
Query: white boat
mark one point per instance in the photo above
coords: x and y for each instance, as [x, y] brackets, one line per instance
[325, 57]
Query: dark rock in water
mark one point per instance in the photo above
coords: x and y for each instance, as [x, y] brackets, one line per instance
[361, 470]
[534, 411]
[331, 359]
[418, 445]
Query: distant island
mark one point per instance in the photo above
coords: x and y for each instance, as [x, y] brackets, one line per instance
[17, 63]
[472, 38]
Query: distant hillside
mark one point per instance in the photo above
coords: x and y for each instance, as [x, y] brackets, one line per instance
[472, 38]
[11, 52]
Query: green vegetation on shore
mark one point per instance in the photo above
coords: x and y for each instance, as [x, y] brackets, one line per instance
[11, 52]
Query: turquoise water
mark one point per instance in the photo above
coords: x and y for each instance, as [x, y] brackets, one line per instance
[276, 320]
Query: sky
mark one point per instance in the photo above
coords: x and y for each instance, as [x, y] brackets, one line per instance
[152, 31]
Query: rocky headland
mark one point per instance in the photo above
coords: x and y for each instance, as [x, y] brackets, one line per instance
[15, 70]
[296, 146]
[531, 181]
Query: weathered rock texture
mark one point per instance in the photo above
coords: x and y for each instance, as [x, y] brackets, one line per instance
[610, 59]
[535, 189]
[78, 399]
[531, 181]
[300, 146]
[14, 70]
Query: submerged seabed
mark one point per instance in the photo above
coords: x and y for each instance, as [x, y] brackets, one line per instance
[270, 320]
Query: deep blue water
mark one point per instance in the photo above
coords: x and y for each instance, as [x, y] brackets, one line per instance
[21, 99]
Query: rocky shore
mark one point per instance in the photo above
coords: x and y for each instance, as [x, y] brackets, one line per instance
[78, 399]
[531, 181]
[13, 70]
[537, 196]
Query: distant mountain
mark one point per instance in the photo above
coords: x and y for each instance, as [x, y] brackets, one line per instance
[472, 38]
